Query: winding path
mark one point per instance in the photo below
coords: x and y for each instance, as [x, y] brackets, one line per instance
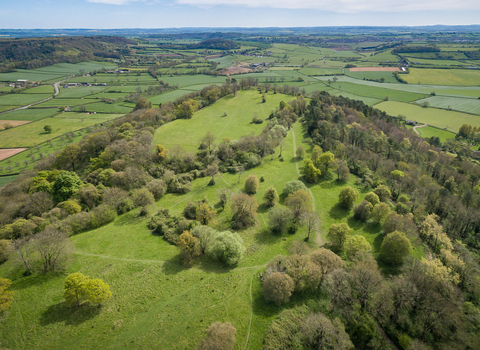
[419, 126]
[57, 91]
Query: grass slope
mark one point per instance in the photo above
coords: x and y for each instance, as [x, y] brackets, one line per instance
[468, 105]
[32, 134]
[240, 111]
[463, 77]
[157, 303]
[449, 120]
[30, 114]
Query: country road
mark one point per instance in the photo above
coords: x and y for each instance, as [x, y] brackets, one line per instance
[57, 91]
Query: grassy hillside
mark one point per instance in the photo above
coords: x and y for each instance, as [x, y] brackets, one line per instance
[449, 120]
[155, 299]
[238, 121]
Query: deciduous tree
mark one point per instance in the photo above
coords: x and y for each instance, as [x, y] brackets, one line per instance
[299, 202]
[271, 196]
[220, 336]
[338, 233]
[310, 173]
[244, 210]
[355, 245]
[227, 247]
[278, 287]
[205, 214]
[190, 247]
[251, 184]
[6, 297]
[347, 197]
[395, 247]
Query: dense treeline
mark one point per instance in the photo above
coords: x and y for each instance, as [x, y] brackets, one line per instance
[414, 49]
[209, 44]
[36, 53]
[430, 303]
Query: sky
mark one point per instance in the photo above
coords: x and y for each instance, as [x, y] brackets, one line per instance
[110, 14]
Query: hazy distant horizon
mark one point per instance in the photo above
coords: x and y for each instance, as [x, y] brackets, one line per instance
[149, 14]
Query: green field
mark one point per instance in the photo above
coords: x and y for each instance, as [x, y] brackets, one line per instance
[167, 96]
[468, 105]
[7, 108]
[238, 121]
[378, 93]
[467, 91]
[43, 89]
[30, 114]
[22, 99]
[320, 71]
[429, 131]
[81, 91]
[112, 78]
[187, 80]
[464, 77]
[55, 71]
[370, 101]
[103, 107]
[6, 179]
[388, 76]
[415, 60]
[32, 134]
[440, 118]
[382, 57]
[59, 102]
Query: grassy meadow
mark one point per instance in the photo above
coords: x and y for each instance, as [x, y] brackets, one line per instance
[157, 302]
[461, 104]
[55, 71]
[429, 131]
[30, 114]
[448, 120]
[464, 77]
[32, 134]
[238, 122]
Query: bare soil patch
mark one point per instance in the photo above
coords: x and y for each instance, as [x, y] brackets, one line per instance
[375, 69]
[12, 123]
[235, 70]
[5, 153]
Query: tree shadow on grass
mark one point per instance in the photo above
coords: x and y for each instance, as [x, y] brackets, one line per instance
[265, 236]
[338, 213]
[330, 181]
[358, 225]
[71, 315]
[128, 219]
[173, 266]
[22, 280]
[263, 208]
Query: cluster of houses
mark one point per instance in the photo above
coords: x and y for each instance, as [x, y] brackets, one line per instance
[20, 83]
[69, 85]
[118, 71]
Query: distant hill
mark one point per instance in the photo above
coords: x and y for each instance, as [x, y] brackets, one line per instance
[35, 53]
